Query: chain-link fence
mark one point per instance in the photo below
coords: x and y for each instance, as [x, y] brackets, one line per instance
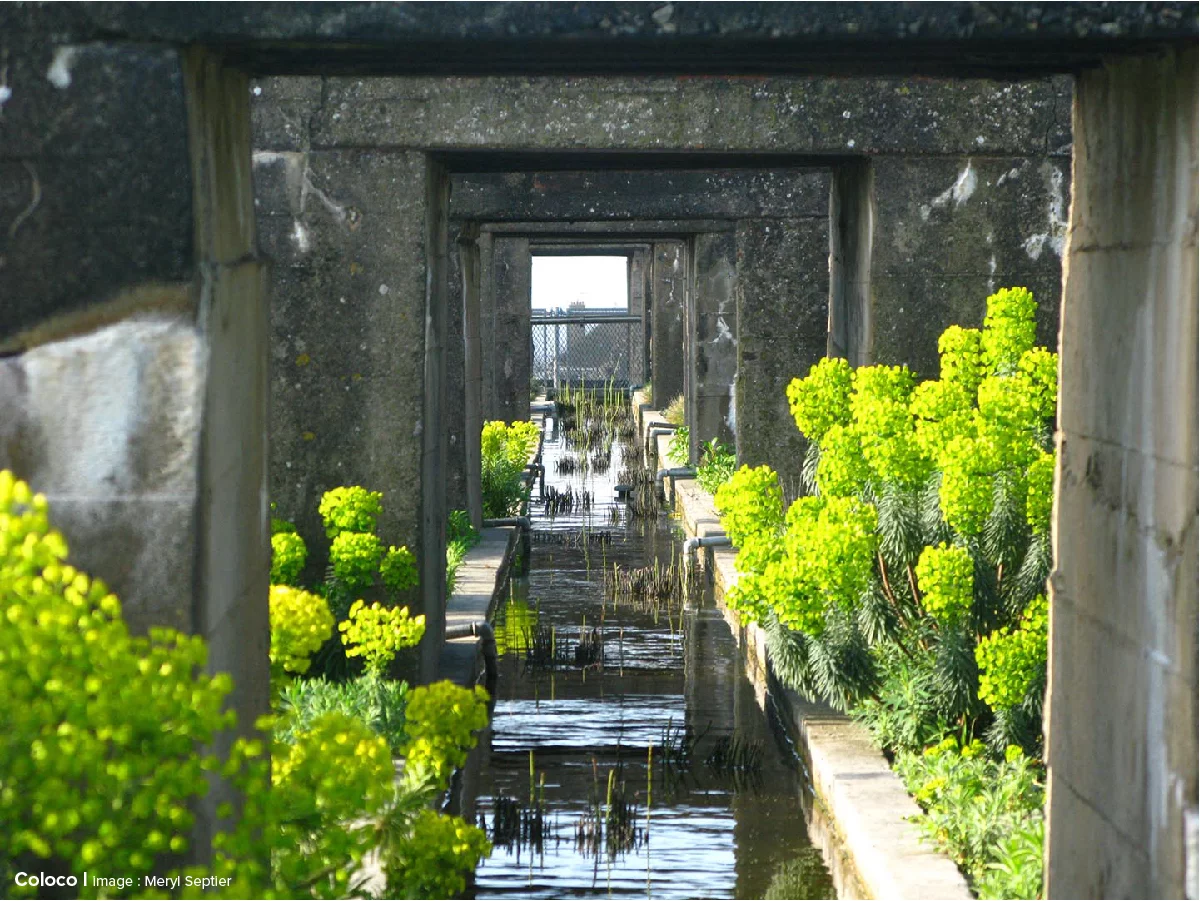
[591, 349]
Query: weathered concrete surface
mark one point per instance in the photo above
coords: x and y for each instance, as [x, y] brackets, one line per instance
[640, 285]
[95, 184]
[668, 294]
[759, 115]
[949, 231]
[845, 38]
[782, 331]
[454, 411]
[107, 425]
[711, 340]
[345, 230]
[645, 194]
[1122, 706]
[866, 802]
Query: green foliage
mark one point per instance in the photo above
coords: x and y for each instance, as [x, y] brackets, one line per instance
[300, 623]
[750, 502]
[821, 401]
[460, 530]
[673, 412]
[431, 857]
[103, 733]
[350, 509]
[986, 813]
[98, 753]
[924, 526]
[442, 720]
[377, 633]
[679, 448]
[505, 450]
[378, 702]
[355, 558]
[946, 579]
[398, 569]
[1040, 493]
[1013, 660]
[289, 553]
[717, 463]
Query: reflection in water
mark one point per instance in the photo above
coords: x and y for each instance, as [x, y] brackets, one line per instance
[644, 767]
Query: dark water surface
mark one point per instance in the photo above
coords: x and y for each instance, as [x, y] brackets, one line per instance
[711, 831]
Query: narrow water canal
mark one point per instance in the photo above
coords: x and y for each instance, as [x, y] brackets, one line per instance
[627, 755]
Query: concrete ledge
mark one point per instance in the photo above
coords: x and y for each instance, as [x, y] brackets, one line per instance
[478, 584]
[881, 853]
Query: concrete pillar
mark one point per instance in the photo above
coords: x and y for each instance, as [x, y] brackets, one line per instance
[782, 330]
[454, 413]
[487, 326]
[348, 330]
[640, 265]
[1122, 702]
[850, 196]
[510, 339]
[668, 289]
[712, 342]
[431, 490]
[472, 374]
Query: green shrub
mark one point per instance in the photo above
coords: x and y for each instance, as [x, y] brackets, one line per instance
[289, 553]
[98, 752]
[505, 450]
[377, 633]
[103, 733]
[679, 447]
[398, 569]
[717, 463]
[300, 624]
[909, 586]
[925, 532]
[673, 411]
[350, 509]
[379, 703]
[986, 813]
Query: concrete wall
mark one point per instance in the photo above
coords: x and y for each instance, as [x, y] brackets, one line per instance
[782, 331]
[1122, 737]
[947, 231]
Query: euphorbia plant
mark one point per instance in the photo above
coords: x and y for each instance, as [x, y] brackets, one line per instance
[924, 534]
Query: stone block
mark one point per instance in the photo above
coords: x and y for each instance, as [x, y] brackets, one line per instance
[107, 425]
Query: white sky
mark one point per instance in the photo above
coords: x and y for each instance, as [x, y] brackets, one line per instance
[597, 281]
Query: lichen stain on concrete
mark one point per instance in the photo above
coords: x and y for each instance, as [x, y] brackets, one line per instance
[723, 332]
[959, 192]
[298, 179]
[1056, 218]
[59, 73]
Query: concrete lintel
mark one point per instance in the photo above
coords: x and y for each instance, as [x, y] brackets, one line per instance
[566, 247]
[631, 228]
